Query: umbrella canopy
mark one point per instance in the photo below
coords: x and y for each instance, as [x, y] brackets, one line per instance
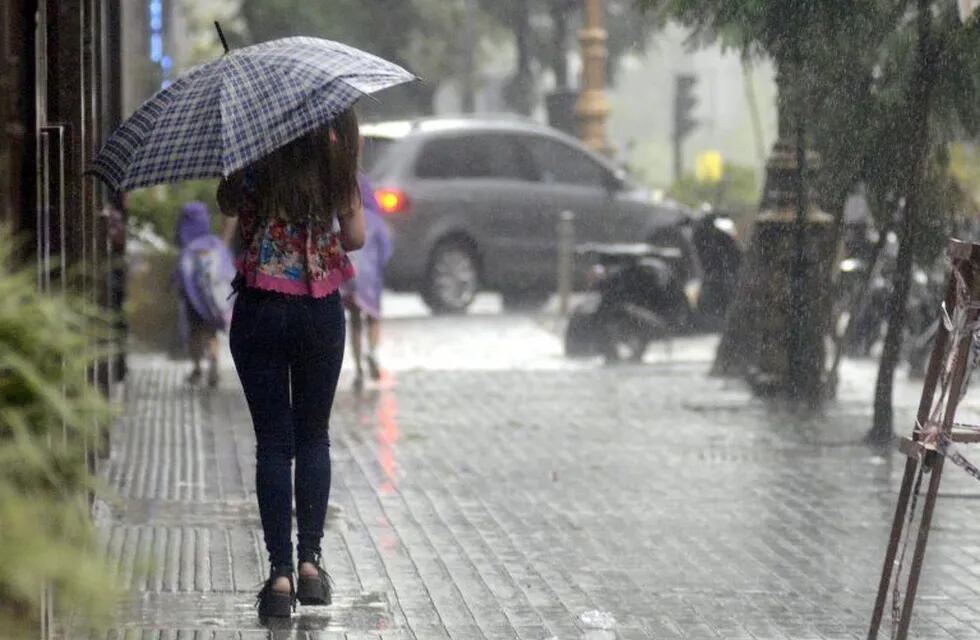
[227, 113]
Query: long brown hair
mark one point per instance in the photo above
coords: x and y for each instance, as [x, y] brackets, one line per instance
[314, 176]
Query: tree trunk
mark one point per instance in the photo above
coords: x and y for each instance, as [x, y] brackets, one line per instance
[559, 53]
[841, 342]
[467, 78]
[920, 99]
[801, 345]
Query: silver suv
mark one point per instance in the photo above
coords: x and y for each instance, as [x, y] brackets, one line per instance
[476, 203]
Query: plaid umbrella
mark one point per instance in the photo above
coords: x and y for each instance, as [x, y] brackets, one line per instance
[227, 113]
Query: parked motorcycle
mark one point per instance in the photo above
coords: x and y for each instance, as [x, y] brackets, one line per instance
[716, 240]
[864, 311]
[636, 295]
[922, 322]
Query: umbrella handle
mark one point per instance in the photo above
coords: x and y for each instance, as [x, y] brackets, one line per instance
[221, 35]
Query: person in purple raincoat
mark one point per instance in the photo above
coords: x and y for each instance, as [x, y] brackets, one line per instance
[362, 295]
[203, 276]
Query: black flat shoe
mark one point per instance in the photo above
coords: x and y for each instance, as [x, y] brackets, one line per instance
[314, 590]
[276, 604]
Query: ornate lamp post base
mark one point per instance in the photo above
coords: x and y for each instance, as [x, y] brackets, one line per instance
[759, 335]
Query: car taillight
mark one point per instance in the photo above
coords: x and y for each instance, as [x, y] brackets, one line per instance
[391, 200]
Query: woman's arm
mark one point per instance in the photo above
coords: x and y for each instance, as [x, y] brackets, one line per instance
[352, 230]
[228, 231]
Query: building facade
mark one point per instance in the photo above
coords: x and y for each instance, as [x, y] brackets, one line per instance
[155, 44]
[60, 67]
[59, 96]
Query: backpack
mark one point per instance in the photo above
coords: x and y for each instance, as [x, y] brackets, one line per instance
[205, 273]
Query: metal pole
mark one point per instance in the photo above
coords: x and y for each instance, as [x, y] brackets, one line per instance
[678, 159]
[936, 362]
[959, 371]
[566, 249]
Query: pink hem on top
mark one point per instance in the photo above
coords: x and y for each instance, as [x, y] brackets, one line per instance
[316, 289]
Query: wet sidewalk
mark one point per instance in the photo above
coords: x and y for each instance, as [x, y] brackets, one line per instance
[534, 500]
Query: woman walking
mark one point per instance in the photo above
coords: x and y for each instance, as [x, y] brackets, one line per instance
[299, 211]
[362, 295]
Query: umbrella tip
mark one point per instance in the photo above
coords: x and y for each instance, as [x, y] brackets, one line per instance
[221, 35]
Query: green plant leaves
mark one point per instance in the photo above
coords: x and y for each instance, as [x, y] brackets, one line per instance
[49, 413]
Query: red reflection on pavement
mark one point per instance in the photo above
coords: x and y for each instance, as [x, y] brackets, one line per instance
[388, 435]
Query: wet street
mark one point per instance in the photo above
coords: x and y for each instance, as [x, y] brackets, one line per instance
[489, 488]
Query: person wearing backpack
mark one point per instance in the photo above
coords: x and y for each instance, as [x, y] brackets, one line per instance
[362, 295]
[204, 274]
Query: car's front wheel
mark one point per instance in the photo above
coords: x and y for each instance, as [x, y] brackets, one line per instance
[452, 279]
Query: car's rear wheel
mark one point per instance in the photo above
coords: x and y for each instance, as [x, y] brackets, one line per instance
[452, 279]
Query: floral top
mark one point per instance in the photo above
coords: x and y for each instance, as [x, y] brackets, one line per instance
[295, 258]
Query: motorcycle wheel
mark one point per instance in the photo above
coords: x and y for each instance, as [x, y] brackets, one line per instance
[621, 342]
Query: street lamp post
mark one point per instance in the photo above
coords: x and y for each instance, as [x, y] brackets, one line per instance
[592, 109]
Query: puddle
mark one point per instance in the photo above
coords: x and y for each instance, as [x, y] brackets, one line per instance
[595, 619]
[367, 611]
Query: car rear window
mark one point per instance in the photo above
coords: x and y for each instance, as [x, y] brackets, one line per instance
[486, 156]
[373, 153]
[562, 163]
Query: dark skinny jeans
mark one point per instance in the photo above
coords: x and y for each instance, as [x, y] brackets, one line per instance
[288, 351]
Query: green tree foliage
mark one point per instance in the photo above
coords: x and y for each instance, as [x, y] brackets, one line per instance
[544, 33]
[737, 194]
[449, 40]
[201, 34]
[826, 52]
[47, 413]
[847, 65]
[964, 164]
[159, 207]
[433, 38]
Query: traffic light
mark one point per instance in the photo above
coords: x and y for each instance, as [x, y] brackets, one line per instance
[684, 103]
[684, 122]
